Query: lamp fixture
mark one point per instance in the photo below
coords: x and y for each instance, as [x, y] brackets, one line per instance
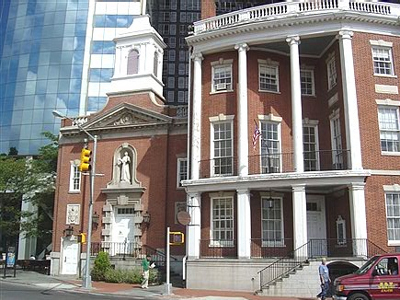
[95, 220]
[69, 231]
[146, 219]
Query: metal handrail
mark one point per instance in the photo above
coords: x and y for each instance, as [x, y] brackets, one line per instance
[283, 266]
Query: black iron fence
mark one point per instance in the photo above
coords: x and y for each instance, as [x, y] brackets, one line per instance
[322, 160]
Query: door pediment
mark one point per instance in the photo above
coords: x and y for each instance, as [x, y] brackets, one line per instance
[127, 115]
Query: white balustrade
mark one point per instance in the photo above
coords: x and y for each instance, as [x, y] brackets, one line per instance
[269, 11]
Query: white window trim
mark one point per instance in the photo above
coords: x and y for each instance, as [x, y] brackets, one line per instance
[389, 153]
[328, 63]
[271, 64]
[215, 120]
[215, 243]
[312, 83]
[271, 119]
[265, 195]
[335, 115]
[221, 63]
[341, 221]
[390, 242]
[178, 164]
[390, 48]
[314, 123]
[71, 178]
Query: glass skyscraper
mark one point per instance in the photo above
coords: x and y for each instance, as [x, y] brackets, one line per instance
[55, 54]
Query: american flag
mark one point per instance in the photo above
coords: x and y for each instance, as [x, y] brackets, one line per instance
[256, 135]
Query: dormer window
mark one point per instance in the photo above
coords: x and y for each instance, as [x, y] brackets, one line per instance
[133, 62]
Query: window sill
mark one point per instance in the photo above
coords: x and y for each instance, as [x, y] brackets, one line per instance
[387, 153]
[74, 192]
[220, 92]
[268, 91]
[306, 95]
[393, 243]
[273, 245]
[385, 75]
[332, 87]
[222, 245]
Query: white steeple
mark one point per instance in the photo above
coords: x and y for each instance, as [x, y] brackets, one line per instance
[138, 59]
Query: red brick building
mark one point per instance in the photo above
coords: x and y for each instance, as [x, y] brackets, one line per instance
[140, 160]
[315, 83]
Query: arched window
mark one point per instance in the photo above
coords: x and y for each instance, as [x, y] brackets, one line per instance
[133, 62]
[155, 66]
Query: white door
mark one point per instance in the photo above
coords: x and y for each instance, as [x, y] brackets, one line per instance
[70, 257]
[123, 230]
[316, 226]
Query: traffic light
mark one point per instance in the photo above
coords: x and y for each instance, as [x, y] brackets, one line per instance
[82, 238]
[85, 160]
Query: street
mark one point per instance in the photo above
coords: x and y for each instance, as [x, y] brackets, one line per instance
[12, 291]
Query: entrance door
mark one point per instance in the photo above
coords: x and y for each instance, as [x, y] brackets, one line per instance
[316, 226]
[123, 230]
[70, 257]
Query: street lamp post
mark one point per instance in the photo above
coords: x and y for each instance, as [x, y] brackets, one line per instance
[86, 280]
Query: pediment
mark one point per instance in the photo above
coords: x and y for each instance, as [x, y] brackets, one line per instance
[127, 115]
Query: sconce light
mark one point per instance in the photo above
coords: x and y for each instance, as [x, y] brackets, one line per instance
[146, 219]
[69, 231]
[95, 220]
[270, 202]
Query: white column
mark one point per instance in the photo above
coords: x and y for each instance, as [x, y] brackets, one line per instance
[243, 224]
[297, 121]
[149, 63]
[299, 219]
[358, 218]
[243, 147]
[193, 230]
[196, 117]
[350, 99]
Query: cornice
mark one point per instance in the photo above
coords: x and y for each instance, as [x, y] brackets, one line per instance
[291, 21]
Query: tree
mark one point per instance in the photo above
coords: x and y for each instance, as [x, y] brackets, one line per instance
[29, 179]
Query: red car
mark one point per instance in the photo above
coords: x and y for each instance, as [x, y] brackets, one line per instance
[378, 278]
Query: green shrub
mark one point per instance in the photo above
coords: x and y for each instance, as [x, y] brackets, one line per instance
[102, 265]
[131, 276]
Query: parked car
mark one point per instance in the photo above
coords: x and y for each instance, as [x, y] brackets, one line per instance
[378, 278]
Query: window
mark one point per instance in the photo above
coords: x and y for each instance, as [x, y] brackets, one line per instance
[112, 21]
[268, 78]
[103, 47]
[222, 141]
[222, 221]
[332, 75]
[341, 231]
[100, 74]
[182, 170]
[75, 178]
[270, 147]
[271, 221]
[155, 66]
[387, 267]
[392, 200]
[222, 78]
[310, 145]
[382, 59]
[133, 62]
[307, 82]
[336, 140]
[388, 117]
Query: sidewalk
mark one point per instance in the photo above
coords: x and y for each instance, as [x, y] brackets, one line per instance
[71, 283]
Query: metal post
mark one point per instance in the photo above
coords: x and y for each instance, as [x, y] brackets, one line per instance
[87, 280]
[167, 269]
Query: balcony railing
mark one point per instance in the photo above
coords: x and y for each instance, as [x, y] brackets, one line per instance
[271, 11]
[323, 160]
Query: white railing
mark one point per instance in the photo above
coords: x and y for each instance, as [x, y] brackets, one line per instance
[270, 11]
[79, 121]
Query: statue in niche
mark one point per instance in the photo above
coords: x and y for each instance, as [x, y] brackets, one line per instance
[125, 170]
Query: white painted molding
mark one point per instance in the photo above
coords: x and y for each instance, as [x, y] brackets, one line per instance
[221, 117]
[381, 43]
[388, 102]
[270, 117]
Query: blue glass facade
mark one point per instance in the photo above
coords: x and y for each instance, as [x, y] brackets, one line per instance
[42, 48]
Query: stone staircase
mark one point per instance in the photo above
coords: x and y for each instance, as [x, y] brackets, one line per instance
[301, 282]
